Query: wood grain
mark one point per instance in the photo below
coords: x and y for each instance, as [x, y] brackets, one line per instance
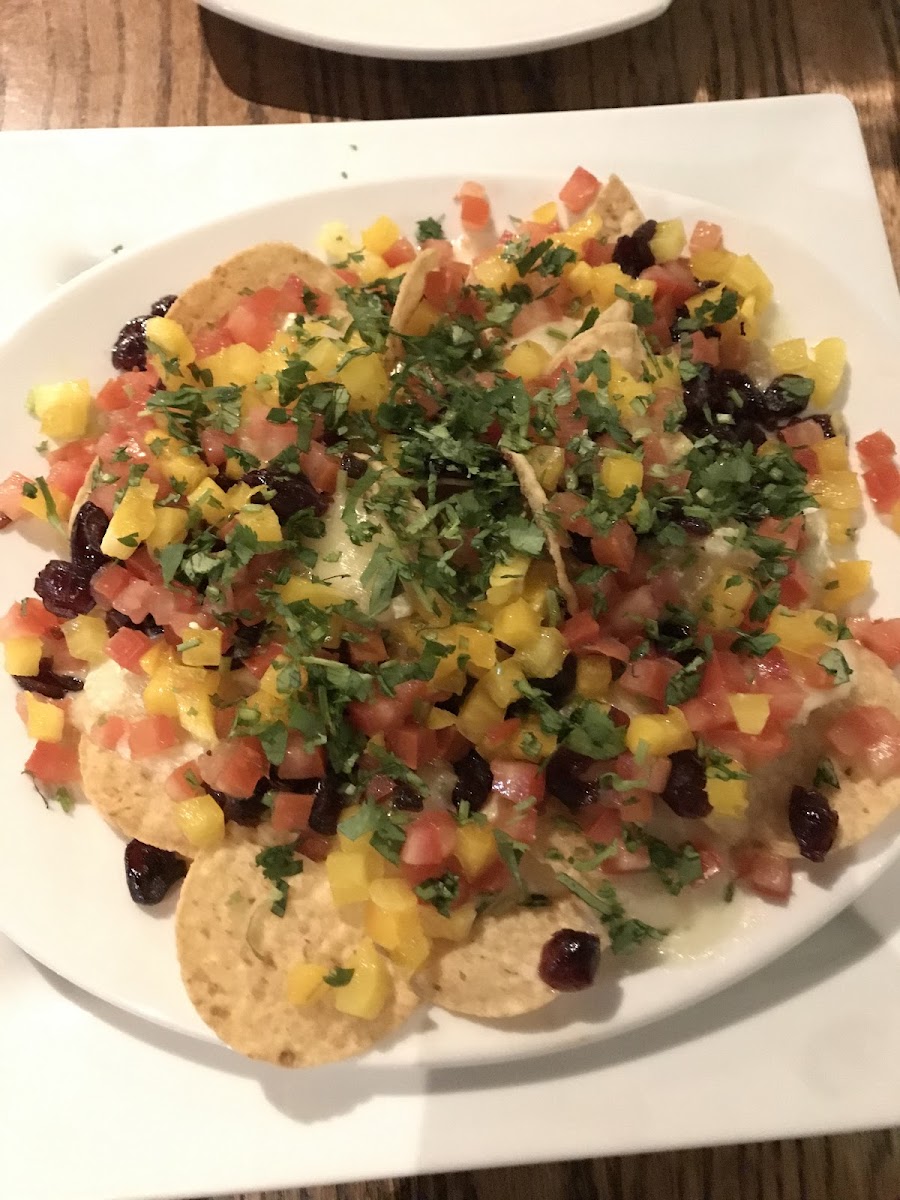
[87, 63]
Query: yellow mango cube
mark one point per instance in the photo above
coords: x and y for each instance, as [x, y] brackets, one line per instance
[63, 409]
[239, 364]
[478, 713]
[169, 526]
[840, 530]
[348, 877]
[336, 241]
[836, 490]
[829, 365]
[201, 647]
[86, 638]
[411, 953]
[661, 734]
[580, 278]
[132, 521]
[303, 984]
[544, 655]
[669, 240]
[495, 273]
[455, 928]
[533, 743]
[791, 358]
[500, 682]
[367, 992]
[727, 796]
[593, 677]
[831, 454]
[807, 632]
[322, 595]
[476, 848]
[845, 581]
[548, 463]
[43, 721]
[423, 317]
[573, 238]
[187, 469]
[168, 342]
[380, 235]
[211, 502]
[527, 360]
[392, 913]
[727, 599]
[22, 655]
[507, 580]
[365, 378]
[201, 820]
[545, 214]
[751, 711]
[540, 578]
[197, 715]
[262, 521]
[371, 267]
[516, 624]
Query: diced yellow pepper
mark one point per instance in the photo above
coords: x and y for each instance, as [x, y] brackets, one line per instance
[349, 876]
[845, 581]
[593, 677]
[516, 624]
[239, 364]
[669, 240]
[661, 734]
[831, 454]
[507, 580]
[545, 214]
[22, 655]
[201, 820]
[63, 409]
[807, 632]
[367, 992]
[837, 490]
[477, 714]
[304, 983]
[727, 598]
[132, 521]
[500, 682]
[751, 711]
[166, 340]
[170, 526]
[527, 360]
[829, 364]
[380, 235]
[423, 317]
[86, 638]
[202, 647]
[44, 721]
[495, 273]
[365, 378]
[548, 463]
[455, 928]
[322, 595]
[544, 655]
[261, 521]
[476, 848]
[727, 796]
[211, 501]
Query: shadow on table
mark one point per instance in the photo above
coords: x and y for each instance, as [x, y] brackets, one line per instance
[832, 951]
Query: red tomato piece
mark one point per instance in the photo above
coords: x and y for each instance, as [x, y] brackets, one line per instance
[883, 484]
[11, 495]
[616, 548]
[704, 349]
[648, 677]
[184, 782]
[651, 774]
[109, 731]
[320, 468]
[753, 750]
[27, 618]
[253, 319]
[211, 341]
[517, 781]
[290, 811]
[152, 735]
[53, 762]
[763, 872]
[234, 767]
[706, 235]
[413, 745]
[518, 820]
[430, 838]
[581, 630]
[881, 636]
[127, 647]
[875, 447]
[402, 251]
[673, 279]
[804, 433]
[260, 661]
[315, 847]
[108, 582]
[300, 763]
[499, 736]
[262, 437]
[475, 210]
[369, 649]
[213, 443]
[869, 737]
[134, 600]
[580, 189]
[596, 253]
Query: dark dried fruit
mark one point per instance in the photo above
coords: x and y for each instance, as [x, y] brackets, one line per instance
[632, 251]
[151, 872]
[292, 492]
[48, 683]
[781, 402]
[724, 403]
[243, 810]
[64, 589]
[692, 526]
[129, 353]
[328, 803]
[246, 639]
[406, 798]
[564, 774]
[299, 786]
[685, 790]
[354, 466]
[560, 686]
[813, 821]
[88, 530]
[569, 960]
[821, 419]
[581, 548]
[670, 634]
[116, 620]
[474, 781]
[160, 307]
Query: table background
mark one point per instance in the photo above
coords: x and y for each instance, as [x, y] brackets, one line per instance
[97, 63]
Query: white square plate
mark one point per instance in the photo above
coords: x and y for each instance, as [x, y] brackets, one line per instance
[797, 166]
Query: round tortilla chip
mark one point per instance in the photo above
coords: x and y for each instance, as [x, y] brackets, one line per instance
[270, 264]
[495, 974]
[409, 297]
[618, 209]
[131, 795]
[240, 991]
[860, 802]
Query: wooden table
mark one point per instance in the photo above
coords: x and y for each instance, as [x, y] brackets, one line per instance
[83, 63]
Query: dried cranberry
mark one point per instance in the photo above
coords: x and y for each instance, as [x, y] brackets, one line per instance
[813, 821]
[160, 307]
[88, 530]
[406, 798]
[632, 251]
[569, 960]
[116, 620]
[692, 526]
[685, 790]
[724, 403]
[300, 786]
[48, 683]
[327, 805]
[246, 639]
[292, 491]
[560, 686]
[151, 872]
[64, 589]
[780, 401]
[243, 810]
[353, 466]
[564, 778]
[474, 781]
[581, 548]
[129, 352]
[821, 419]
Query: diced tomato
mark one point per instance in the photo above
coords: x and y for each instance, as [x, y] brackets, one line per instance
[253, 320]
[498, 737]
[320, 468]
[260, 661]
[629, 613]
[788, 532]
[109, 731]
[295, 296]
[672, 279]
[704, 349]
[702, 716]
[796, 587]
[290, 811]
[27, 618]
[650, 774]
[868, 735]
[763, 872]
[530, 316]
[234, 767]
[581, 630]
[875, 447]
[706, 235]
[596, 253]
[262, 437]
[300, 763]
[184, 782]
[881, 636]
[402, 251]
[517, 781]
[11, 495]
[804, 433]
[213, 442]
[369, 649]
[443, 285]
[753, 750]
[786, 694]
[711, 862]
[108, 582]
[383, 714]
[537, 231]
[315, 847]
[53, 762]
[616, 548]
[883, 484]
[579, 190]
[475, 210]
[413, 745]
[635, 807]
[134, 600]
[152, 735]
[127, 647]
[518, 820]
[648, 677]
[211, 341]
[430, 838]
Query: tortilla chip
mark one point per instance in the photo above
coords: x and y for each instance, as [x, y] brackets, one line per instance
[409, 297]
[618, 209]
[83, 492]
[495, 974]
[234, 955]
[536, 498]
[620, 339]
[860, 802]
[132, 797]
[269, 264]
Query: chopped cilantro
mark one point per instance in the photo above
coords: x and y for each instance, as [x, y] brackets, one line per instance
[440, 891]
[836, 666]
[429, 229]
[338, 977]
[278, 864]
